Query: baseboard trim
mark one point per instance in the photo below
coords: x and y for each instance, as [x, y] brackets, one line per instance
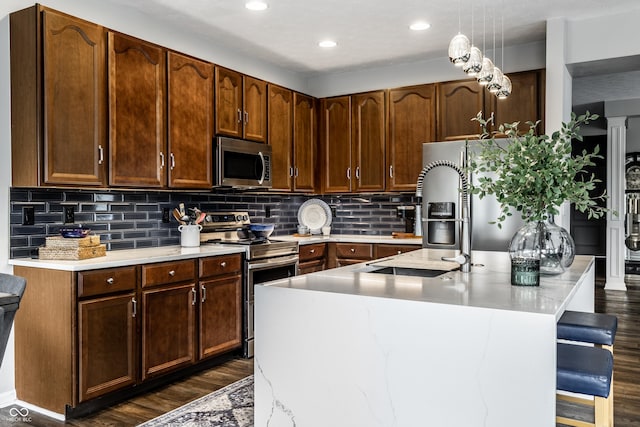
[7, 398]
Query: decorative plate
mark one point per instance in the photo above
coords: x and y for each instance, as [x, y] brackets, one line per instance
[315, 214]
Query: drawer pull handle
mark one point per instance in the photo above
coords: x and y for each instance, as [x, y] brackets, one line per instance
[353, 250]
[172, 273]
[134, 304]
[194, 294]
[312, 251]
[203, 293]
[110, 281]
[223, 264]
[399, 252]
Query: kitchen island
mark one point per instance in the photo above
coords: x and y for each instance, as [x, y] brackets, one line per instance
[351, 347]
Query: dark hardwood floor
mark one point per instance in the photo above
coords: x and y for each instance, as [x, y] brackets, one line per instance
[625, 305]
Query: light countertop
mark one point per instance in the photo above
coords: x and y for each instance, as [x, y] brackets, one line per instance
[487, 286]
[127, 257]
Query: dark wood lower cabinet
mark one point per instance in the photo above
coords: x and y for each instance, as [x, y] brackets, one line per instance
[220, 320]
[168, 328]
[107, 342]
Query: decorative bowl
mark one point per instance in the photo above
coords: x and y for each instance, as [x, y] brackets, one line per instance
[261, 230]
[74, 232]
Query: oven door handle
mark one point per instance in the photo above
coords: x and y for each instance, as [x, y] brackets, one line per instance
[273, 262]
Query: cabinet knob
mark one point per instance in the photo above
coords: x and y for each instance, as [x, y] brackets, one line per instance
[353, 250]
[312, 251]
[110, 281]
[399, 252]
[172, 273]
[223, 264]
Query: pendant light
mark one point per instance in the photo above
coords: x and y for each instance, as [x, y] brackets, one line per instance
[474, 63]
[505, 84]
[496, 81]
[485, 74]
[459, 46]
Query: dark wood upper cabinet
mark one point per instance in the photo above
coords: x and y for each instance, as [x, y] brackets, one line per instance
[190, 122]
[58, 102]
[241, 105]
[137, 81]
[305, 148]
[255, 109]
[458, 103]
[228, 102]
[280, 109]
[411, 123]
[336, 144]
[526, 102]
[368, 134]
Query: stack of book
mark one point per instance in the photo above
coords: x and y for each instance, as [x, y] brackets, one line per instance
[67, 248]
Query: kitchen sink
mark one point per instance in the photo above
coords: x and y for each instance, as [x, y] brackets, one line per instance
[404, 271]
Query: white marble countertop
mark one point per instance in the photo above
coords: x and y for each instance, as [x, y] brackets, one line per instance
[350, 238]
[130, 257]
[171, 253]
[488, 285]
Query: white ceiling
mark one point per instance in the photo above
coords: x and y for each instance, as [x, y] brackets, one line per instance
[368, 32]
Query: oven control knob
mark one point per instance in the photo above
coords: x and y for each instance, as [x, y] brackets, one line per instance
[238, 218]
[208, 218]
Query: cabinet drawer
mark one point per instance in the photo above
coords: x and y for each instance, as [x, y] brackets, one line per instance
[168, 272]
[354, 250]
[106, 281]
[383, 250]
[216, 266]
[311, 266]
[314, 251]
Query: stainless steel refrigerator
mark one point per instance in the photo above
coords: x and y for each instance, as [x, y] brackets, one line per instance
[441, 204]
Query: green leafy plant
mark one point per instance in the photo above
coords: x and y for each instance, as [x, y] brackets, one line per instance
[534, 174]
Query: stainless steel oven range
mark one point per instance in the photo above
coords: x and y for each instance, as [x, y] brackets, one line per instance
[265, 259]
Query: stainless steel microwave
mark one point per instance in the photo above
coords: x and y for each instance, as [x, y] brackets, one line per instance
[242, 164]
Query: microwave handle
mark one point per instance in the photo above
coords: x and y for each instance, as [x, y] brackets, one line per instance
[264, 168]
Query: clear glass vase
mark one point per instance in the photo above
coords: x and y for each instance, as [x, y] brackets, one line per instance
[540, 247]
[558, 249]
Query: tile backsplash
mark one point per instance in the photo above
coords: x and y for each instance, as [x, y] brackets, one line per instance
[133, 219]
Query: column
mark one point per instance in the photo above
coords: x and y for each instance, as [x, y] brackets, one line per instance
[616, 149]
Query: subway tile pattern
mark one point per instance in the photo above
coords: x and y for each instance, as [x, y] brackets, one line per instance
[133, 219]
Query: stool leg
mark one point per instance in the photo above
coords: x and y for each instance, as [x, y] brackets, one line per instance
[602, 412]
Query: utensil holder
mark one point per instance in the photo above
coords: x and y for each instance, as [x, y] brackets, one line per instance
[190, 235]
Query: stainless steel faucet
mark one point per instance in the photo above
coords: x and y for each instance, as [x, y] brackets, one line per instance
[464, 258]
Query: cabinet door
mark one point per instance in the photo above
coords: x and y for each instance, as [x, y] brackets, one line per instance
[368, 141]
[75, 105]
[281, 137]
[411, 123]
[305, 128]
[108, 355]
[136, 112]
[220, 315]
[255, 109]
[458, 103]
[336, 141]
[523, 105]
[228, 102]
[168, 328]
[190, 122]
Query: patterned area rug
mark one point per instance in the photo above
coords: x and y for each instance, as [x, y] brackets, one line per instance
[231, 406]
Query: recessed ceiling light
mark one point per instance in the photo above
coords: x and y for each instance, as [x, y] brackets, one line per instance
[420, 26]
[327, 43]
[256, 5]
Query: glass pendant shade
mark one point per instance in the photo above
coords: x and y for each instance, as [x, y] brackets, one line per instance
[459, 50]
[505, 88]
[474, 64]
[486, 72]
[496, 82]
